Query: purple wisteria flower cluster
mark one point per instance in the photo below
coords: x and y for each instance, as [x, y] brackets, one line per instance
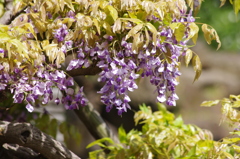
[39, 87]
[121, 66]
[97, 37]
[61, 33]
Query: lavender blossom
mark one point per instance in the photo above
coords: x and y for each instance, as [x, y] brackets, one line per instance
[61, 33]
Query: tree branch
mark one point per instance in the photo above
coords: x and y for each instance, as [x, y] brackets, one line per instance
[93, 121]
[8, 16]
[15, 151]
[8, 12]
[92, 70]
[26, 135]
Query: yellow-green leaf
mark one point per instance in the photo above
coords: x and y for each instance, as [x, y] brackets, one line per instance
[228, 155]
[147, 37]
[222, 2]
[134, 30]
[60, 58]
[21, 49]
[236, 148]
[134, 20]
[100, 142]
[210, 103]
[117, 26]
[132, 14]
[188, 56]
[231, 140]
[236, 104]
[193, 32]
[30, 27]
[70, 4]
[206, 32]
[4, 28]
[173, 26]
[178, 29]
[108, 28]
[179, 32]
[96, 23]
[4, 37]
[197, 65]
[236, 6]
[113, 12]
[154, 32]
[210, 34]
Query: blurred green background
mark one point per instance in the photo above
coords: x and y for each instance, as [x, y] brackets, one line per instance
[225, 22]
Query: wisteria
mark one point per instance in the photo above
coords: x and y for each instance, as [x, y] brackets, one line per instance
[39, 88]
[128, 46]
[61, 33]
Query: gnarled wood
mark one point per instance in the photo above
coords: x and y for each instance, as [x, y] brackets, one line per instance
[26, 135]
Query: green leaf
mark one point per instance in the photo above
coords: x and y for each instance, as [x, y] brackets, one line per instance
[178, 29]
[100, 142]
[236, 6]
[179, 32]
[231, 140]
[192, 152]
[97, 154]
[188, 56]
[236, 148]
[236, 104]
[210, 103]
[197, 66]
[132, 14]
[113, 12]
[178, 121]
[235, 133]
[107, 27]
[122, 135]
[228, 155]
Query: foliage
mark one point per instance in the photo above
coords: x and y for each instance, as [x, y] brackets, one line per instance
[164, 136]
[229, 109]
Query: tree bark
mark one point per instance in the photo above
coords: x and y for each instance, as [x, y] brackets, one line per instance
[28, 136]
[92, 70]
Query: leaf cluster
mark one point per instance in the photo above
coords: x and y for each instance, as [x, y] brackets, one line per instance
[235, 3]
[27, 41]
[230, 109]
[164, 136]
